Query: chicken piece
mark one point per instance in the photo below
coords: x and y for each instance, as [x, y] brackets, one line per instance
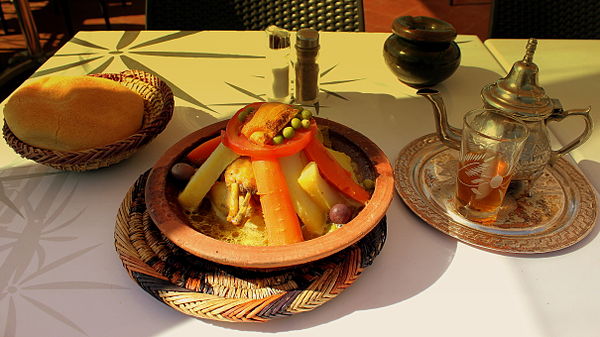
[241, 185]
[219, 200]
[268, 121]
[240, 172]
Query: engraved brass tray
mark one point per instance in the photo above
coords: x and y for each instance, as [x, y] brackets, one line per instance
[561, 211]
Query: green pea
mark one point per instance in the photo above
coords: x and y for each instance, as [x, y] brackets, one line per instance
[288, 132]
[243, 115]
[278, 139]
[368, 184]
[296, 123]
[305, 123]
[306, 114]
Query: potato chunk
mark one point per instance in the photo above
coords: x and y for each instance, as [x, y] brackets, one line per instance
[318, 188]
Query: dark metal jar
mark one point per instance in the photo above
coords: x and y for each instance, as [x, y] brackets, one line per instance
[421, 51]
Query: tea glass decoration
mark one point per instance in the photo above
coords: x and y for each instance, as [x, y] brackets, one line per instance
[491, 144]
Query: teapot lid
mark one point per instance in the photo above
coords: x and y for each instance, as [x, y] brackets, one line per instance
[519, 94]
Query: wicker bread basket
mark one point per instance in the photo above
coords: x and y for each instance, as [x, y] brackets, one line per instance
[158, 109]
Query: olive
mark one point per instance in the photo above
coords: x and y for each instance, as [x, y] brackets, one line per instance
[182, 171]
[368, 184]
[305, 123]
[296, 123]
[278, 139]
[306, 114]
[340, 214]
[288, 132]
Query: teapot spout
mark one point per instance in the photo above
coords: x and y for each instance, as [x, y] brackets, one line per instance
[448, 134]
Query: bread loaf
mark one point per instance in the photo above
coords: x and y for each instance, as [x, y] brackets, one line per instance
[73, 113]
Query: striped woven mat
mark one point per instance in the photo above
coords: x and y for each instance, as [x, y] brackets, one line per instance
[204, 289]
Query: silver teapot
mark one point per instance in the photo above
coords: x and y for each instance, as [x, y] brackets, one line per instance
[519, 95]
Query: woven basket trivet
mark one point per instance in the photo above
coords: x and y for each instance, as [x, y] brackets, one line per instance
[204, 289]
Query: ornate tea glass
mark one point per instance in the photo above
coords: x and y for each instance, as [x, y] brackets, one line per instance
[491, 144]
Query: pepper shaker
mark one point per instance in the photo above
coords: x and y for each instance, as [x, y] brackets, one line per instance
[307, 68]
[278, 65]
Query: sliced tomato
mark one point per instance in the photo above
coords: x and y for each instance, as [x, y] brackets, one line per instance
[233, 139]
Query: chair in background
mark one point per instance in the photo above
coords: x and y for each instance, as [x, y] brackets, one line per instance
[65, 8]
[468, 3]
[545, 19]
[323, 15]
[3, 20]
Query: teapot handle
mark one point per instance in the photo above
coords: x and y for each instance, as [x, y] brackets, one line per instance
[587, 132]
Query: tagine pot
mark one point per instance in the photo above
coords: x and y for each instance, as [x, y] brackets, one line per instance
[421, 52]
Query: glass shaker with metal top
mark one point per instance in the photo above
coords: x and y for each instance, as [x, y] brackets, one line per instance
[278, 65]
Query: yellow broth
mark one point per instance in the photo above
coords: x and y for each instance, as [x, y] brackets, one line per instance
[205, 221]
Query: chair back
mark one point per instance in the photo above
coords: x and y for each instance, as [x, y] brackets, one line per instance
[545, 19]
[323, 15]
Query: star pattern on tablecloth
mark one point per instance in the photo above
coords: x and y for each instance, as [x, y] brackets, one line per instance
[24, 244]
[126, 51]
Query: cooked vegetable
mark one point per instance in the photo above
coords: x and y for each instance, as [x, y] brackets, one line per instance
[319, 190]
[268, 120]
[368, 184]
[261, 156]
[281, 223]
[182, 171]
[340, 214]
[201, 152]
[244, 113]
[244, 147]
[306, 114]
[288, 132]
[344, 160]
[205, 177]
[312, 215]
[333, 172]
[296, 123]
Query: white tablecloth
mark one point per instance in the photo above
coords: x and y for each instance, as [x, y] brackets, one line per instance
[60, 275]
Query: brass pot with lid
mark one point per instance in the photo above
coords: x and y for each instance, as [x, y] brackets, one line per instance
[519, 95]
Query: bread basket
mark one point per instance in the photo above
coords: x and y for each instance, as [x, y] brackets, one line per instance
[158, 109]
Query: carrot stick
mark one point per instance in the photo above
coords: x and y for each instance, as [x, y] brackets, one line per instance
[333, 172]
[281, 222]
[201, 152]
